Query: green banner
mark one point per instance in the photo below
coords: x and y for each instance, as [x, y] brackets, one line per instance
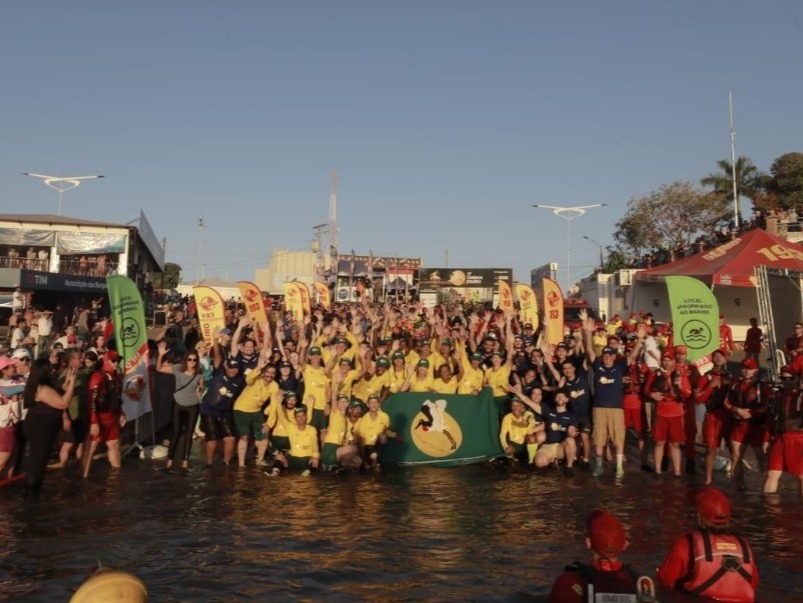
[442, 430]
[131, 340]
[695, 315]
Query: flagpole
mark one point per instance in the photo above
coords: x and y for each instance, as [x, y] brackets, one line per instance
[736, 212]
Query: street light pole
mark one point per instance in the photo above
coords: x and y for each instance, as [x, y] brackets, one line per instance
[598, 244]
[569, 214]
[201, 226]
[61, 184]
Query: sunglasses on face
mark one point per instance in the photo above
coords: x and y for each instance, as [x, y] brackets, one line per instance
[192, 360]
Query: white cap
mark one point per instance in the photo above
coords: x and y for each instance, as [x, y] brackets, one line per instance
[20, 353]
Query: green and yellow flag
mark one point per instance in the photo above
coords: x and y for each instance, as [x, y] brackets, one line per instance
[695, 316]
[131, 339]
[443, 430]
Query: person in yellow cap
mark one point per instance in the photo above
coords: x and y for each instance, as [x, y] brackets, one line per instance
[606, 578]
[111, 585]
[710, 561]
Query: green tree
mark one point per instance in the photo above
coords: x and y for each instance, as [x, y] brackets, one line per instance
[750, 181]
[670, 217]
[169, 279]
[615, 259]
[787, 180]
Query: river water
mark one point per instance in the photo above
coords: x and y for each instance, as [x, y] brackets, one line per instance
[420, 534]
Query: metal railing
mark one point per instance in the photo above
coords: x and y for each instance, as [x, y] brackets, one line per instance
[88, 266]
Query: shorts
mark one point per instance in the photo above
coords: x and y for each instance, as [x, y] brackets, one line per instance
[66, 436]
[609, 424]
[7, 439]
[298, 463]
[518, 449]
[747, 433]
[669, 429]
[786, 453]
[281, 443]
[716, 427]
[329, 454]
[319, 420]
[634, 417]
[217, 428]
[249, 424]
[584, 424]
[109, 427]
[553, 451]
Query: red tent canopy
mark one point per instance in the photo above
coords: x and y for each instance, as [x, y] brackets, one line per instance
[732, 263]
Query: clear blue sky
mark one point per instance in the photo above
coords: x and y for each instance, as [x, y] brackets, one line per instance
[446, 120]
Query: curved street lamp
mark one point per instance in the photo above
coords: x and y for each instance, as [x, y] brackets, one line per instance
[62, 183]
[569, 214]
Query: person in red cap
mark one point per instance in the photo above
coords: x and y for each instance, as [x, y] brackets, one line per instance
[105, 410]
[786, 448]
[748, 406]
[669, 389]
[606, 578]
[712, 390]
[690, 372]
[710, 561]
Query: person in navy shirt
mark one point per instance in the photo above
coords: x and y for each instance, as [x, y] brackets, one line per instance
[561, 431]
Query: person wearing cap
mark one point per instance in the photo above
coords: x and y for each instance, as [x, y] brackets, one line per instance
[577, 388]
[398, 371]
[711, 562]
[606, 578]
[712, 391]
[423, 352]
[304, 453]
[528, 337]
[497, 376]
[252, 406]
[786, 428]
[373, 430]
[446, 382]
[375, 381]
[561, 432]
[633, 402]
[521, 432]
[224, 387]
[473, 375]
[725, 336]
[317, 386]
[748, 406]
[341, 374]
[420, 380]
[243, 348]
[105, 411]
[610, 373]
[668, 388]
[10, 411]
[337, 451]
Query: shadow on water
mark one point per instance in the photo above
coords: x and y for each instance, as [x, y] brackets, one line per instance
[422, 534]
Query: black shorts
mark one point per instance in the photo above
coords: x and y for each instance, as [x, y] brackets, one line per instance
[584, 424]
[217, 428]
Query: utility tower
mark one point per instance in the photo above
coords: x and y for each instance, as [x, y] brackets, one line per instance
[333, 221]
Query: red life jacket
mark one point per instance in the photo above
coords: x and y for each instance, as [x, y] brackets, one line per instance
[609, 586]
[722, 567]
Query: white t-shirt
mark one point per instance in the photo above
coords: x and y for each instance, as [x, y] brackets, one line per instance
[652, 354]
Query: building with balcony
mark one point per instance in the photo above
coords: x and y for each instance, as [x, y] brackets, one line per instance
[59, 259]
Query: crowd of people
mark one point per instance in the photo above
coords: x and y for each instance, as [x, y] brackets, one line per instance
[286, 395]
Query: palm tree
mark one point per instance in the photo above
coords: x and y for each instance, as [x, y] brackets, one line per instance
[750, 181]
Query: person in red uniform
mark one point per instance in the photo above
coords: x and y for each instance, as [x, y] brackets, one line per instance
[747, 403]
[712, 389]
[669, 389]
[105, 410]
[710, 561]
[725, 336]
[606, 576]
[633, 403]
[786, 448]
[690, 372]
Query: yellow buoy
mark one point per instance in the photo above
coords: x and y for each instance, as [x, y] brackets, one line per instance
[111, 585]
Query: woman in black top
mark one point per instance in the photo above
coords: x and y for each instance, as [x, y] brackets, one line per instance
[46, 404]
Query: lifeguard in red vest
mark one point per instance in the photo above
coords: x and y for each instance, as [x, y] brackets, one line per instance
[711, 561]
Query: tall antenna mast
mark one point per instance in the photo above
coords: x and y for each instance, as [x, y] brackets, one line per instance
[736, 213]
[333, 221]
